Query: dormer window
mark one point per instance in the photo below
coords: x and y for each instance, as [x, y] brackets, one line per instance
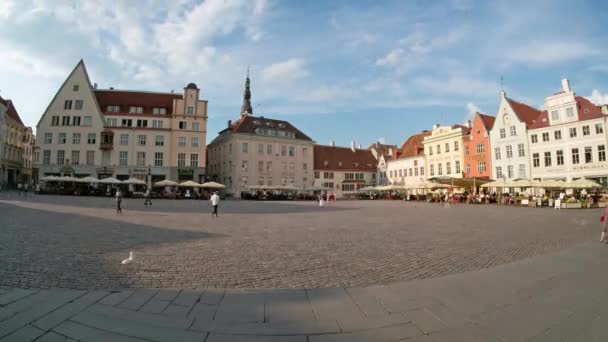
[339, 163]
[282, 125]
[113, 109]
[256, 122]
[356, 164]
[75, 87]
[554, 115]
[586, 110]
[269, 124]
[159, 111]
[325, 163]
[570, 112]
[135, 109]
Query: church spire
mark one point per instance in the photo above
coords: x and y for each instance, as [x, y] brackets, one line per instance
[246, 107]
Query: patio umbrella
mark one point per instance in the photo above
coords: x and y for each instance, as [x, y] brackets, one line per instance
[49, 178]
[88, 180]
[290, 187]
[67, 179]
[369, 188]
[213, 185]
[582, 184]
[133, 181]
[165, 182]
[495, 184]
[109, 180]
[190, 184]
[317, 188]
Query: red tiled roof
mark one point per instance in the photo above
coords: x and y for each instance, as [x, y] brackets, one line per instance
[413, 145]
[343, 159]
[487, 120]
[586, 111]
[248, 124]
[382, 148]
[465, 129]
[11, 111]
[524, 112]
[126, 99]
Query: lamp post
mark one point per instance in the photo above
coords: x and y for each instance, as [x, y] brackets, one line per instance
[149, 176]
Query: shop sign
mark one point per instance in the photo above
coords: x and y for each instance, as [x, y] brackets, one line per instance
[139, 171]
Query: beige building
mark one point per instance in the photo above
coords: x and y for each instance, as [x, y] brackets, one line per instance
[344, 170]
[27, 157]
[443, 149]
[409, 165]
[260, 151]
[102, 133]
[14, 147]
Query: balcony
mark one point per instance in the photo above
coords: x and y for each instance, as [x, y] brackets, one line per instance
[107, 140]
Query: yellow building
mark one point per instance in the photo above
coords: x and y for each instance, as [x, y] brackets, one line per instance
[13, 144]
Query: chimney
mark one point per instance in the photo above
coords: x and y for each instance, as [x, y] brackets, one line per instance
[360, 146]
[172, 91]
[467, 124]
[502, 94]
[229, 123]
[332, 143]
[566, 85]
[111, 88]
[435, 126]
[94, 85]
[352, 145]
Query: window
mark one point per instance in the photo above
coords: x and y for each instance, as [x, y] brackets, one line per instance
[457, 166]
[520, 150]
[573, 132]
[65, 121]
[410, 172]
[559, 156]
[400, 173]
[75, 87]
[522, 170]
[554, 115]
[194, 142]
[159, 111]
[135, 109]
[499, 172]
[55, 120]
[123, 158]
[513, 131]
[181, 141]
[509, 151]
[158, 159]
[422, 170]
[546, 136]
[141, 140]
[317, 175]
[304, 151]
[467, 168]
[160, 140]
[113, 109]
[447, 147]
[90, 157]
[60, 157]
[503, 133]
[570, 112]
[588, 154]
[466, 150]
[348, 187]
[124, 139]
[61, 138]
[46, 157]
[48, 138]
[142, 123]
[575, 157]
[78, 105]
[190, 110]
[245, 147]
[260, 166]
[141, 158]
[328, 175]
[305, 167]
[601, 153]
[181, 159]
[535, 159]
[88, 121]
[127, 122]
[157, 123]
[432, 167]
[292, 151]
[91, 138]
[268, 149]
[480, 148]
[67, 104]
[183, 125]
[76, 121]
[438, 149]
[557, 135]
[268, 166]
[547, 158]
[586, 130]
[497, 153]
[439, 169]
[196, 126]
[599, 128]
[510, 171]
[260, 148]
[430, 150]
[193, 159]
[456, 147]
[328, 185]
[75, 157]
[351, 176]
[534, 138]
[481, 167]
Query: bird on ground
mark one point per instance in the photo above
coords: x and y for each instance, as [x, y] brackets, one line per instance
[129, 259]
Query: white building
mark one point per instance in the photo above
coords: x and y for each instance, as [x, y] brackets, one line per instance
[509, 139]
[383, 154]
[151, 136]
[568, 140]
[444, 150]
[409, 165]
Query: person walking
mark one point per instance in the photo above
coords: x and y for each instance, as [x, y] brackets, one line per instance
[25, 189]
[215, 201]
[604, 220]
[447, 200]
[147, 200]
[118, 201]
[19, 189]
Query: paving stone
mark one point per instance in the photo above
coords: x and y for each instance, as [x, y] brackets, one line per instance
[155, 306]
[333, 304]
[353, 325]
[241, 306]
[14, 295]
[55, 318]
[138, 299]
[24, 334]
[128, 315]
[53, 337]
[187, 297]
[23, 304]
[81, 332]
[267, 329]
[116, 297]
[287, 305]
[367, 299]
[166, 294]
[55, 299]
[571, 328]
[212, 296]
[425, 320]
[204, 312]
[247, 338]
[176, 310]
[395, 333]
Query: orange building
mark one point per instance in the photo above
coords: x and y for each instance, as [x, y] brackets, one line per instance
[477, 158]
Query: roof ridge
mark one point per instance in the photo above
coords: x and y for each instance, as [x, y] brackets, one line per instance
[524, 104]
[137, 91]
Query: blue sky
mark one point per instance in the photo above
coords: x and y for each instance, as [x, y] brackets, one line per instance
[341, 70]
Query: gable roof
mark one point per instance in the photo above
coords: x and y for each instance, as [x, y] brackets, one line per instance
[524, 112]
[413, 145]
[382, 149]
[486, 120]
[11, 111]
[343, 159]
[128, 98]
[248, 124]
[586, 111]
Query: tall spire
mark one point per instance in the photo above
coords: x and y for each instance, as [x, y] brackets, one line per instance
[246, 107]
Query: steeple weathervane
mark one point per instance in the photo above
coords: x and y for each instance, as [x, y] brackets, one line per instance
[246, 107]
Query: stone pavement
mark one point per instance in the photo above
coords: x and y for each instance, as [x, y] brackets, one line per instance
[554, 297]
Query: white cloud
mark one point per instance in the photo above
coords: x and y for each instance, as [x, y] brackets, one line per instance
[598, 97]
[7, 8]
[457, 86]
[549, 52]
[382, 140]
[391, 59]
[291, 69]
[18, 61]
[472, 109]
[361, 40]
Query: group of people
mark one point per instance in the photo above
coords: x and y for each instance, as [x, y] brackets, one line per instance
[215, 201]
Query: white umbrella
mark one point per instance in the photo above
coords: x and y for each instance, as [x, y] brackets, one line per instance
[165, 182]
[495, 184]
[213, 185]
[109, 180]
[133, 181]
[368, 188]
[190, 184]
[289, 187]
[67, 179]
[88, 180]
[582, 184]
[49, 178]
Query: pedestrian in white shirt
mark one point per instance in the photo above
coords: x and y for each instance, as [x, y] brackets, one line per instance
[215, 200]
